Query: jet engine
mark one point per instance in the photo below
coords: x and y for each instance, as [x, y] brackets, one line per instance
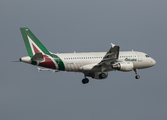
[123, 66]
[98, 75]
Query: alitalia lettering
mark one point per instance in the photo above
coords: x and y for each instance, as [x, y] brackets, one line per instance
[128, 59]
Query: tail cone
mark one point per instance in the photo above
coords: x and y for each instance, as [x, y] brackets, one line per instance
[26, 59]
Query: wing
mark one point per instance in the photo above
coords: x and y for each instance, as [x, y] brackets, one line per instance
[110, 57]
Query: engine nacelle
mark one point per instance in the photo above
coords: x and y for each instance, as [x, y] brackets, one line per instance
[123, 66]
[98, 75]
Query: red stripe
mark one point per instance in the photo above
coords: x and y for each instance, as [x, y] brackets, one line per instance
[48, 63]
[35, 49]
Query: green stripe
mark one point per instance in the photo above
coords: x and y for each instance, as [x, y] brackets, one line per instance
[26, 41]
[58, 61]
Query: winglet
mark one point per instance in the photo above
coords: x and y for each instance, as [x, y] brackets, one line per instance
[112, 45]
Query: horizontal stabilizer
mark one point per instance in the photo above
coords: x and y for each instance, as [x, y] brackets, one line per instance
[38, 57]
[40, 69]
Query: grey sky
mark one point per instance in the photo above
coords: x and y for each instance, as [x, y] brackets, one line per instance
[83, 26]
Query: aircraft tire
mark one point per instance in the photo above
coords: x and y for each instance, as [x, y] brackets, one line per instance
[102, 75]
[85, 81]
[137, 77]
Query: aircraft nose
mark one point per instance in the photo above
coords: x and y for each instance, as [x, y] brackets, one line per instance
[153, 62]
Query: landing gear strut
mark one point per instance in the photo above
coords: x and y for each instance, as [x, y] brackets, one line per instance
[85, 80]
[137, 76]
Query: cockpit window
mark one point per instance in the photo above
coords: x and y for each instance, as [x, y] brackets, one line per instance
[147, 55]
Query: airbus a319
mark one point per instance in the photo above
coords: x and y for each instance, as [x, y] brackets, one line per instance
[91, 64]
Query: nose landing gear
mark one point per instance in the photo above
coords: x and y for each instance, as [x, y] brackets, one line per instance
[137, 76]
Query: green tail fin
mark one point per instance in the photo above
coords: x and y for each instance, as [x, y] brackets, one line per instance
[33, 45]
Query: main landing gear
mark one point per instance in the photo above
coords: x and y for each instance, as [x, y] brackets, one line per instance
[85, 80]
[137, 76]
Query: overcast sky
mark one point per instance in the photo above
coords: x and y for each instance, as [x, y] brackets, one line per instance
[83, 26]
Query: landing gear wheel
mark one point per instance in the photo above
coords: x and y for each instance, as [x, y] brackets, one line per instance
[85, 81]
[137, 77]
[102, 75]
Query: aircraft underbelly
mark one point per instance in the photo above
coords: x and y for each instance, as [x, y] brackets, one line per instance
[77, 66]
[73, 66]
[139, 65]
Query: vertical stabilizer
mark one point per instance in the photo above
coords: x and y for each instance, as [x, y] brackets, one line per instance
[33, 45]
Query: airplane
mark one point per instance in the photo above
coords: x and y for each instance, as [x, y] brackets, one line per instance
[91, 64]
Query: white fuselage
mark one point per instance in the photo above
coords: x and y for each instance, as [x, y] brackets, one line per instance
[76, 61]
